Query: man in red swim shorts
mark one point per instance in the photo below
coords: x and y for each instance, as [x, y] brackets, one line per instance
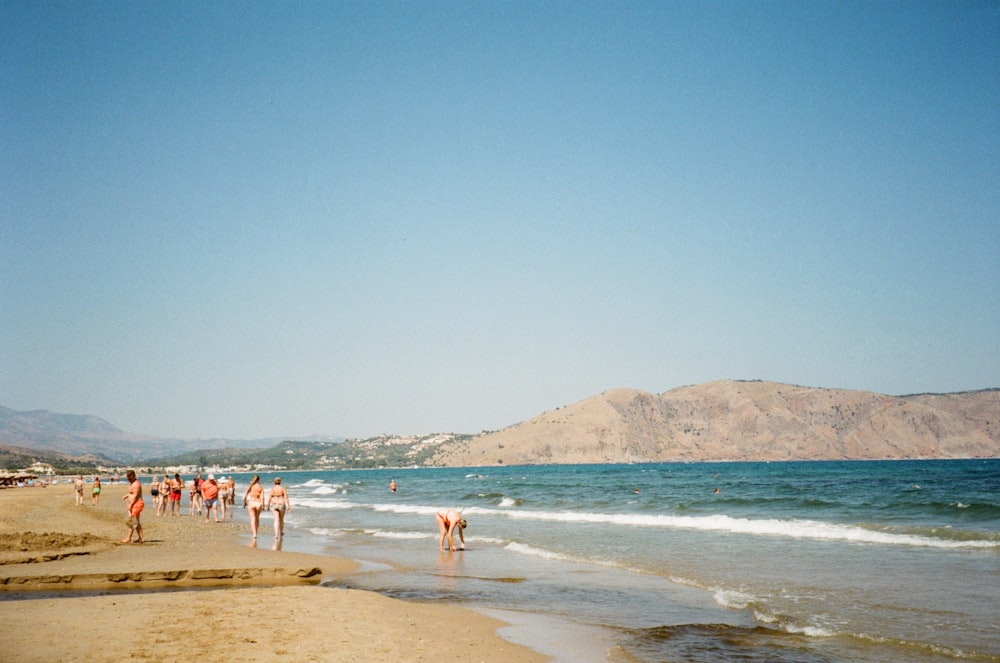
[133, 500]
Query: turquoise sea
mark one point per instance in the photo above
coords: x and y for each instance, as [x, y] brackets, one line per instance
[795, 561]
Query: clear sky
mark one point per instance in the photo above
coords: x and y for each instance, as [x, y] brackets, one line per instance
[353, 218]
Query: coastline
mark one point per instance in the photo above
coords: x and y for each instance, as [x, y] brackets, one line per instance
[255, 603]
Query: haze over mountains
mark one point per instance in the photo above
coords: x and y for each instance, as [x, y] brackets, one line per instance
[725, 420]
[83, 435]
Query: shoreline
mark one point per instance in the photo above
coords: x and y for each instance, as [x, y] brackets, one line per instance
[48, 544]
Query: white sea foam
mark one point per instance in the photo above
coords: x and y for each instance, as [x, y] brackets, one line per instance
[325, 531]
[312, 483]
[398, 535]
[730, 598]
[537, 552]
[795, 528]
[507, 502]
[325, 490]
[314, 503]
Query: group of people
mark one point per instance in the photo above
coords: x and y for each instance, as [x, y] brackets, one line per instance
[80, 487]
[257, 500]
[210, 493]
[205, 494]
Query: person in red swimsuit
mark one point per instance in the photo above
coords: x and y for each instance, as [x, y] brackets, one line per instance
[448, 521]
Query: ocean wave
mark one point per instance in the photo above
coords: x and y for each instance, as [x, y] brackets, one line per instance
[327, 490]
[792, 528]
[543, 553]
[399, 535]
[534, 551]
[731, 598]
[313, 503]
[325, 532]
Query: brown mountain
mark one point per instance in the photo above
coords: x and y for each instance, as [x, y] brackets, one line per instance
[732, 420]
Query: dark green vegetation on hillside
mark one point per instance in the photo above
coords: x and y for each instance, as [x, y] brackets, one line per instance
[382, 451]
[17, 458]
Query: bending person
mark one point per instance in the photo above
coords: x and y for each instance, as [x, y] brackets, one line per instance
[447, 522]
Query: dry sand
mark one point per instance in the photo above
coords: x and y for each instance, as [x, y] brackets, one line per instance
[117, 600]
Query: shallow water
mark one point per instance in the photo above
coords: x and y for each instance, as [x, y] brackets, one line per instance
[824, 561]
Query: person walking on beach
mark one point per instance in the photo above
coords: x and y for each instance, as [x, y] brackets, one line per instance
[95, 491]
[154, 490]
[133, 500]
[78, 484]
[232, 491]
[277, 501]
[448, 521]
[210, 495]
[161, 508]
[176, 486]
[253, 501]
[195, 495]
[223, 494]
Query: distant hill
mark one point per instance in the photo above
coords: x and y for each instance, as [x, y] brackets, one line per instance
[725, 420]
[732, 420]
[87, 435]
[381, 451]
[13, 459]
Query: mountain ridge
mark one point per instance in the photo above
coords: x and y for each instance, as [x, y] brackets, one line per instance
[744, 420]
[83, 435]
[714, 421]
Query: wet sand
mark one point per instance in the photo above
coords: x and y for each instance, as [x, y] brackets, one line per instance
[70, 591]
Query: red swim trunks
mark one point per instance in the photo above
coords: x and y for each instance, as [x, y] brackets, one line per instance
[136, 508]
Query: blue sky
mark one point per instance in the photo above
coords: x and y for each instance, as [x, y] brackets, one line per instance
[270, 219]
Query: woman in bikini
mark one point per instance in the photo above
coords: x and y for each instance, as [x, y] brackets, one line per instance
[278, 502]
[96, 491]
[223, 495]
[253, 500]
[161, 508]
[448, 521]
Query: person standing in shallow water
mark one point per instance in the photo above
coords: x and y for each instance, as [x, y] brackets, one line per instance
[448, 521]
[278, 502]
[133, 500]
[223, 495]
[253, 501]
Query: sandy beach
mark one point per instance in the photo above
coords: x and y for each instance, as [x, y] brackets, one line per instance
[70, 591]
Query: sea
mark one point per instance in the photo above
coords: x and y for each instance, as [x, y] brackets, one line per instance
[807, 562]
